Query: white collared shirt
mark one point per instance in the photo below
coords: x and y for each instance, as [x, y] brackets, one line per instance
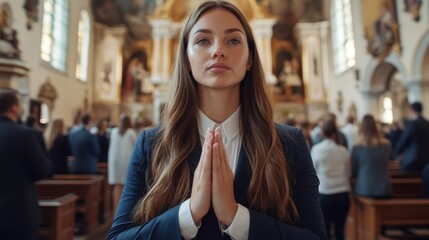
[231, 137]
[332, 164]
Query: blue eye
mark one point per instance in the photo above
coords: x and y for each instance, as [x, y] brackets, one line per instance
[202, 41]
[234, 41]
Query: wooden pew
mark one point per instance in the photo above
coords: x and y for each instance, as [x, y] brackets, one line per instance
[58, 217]
[371, 214]
[406, 187]
[106, 206]
[86, 187]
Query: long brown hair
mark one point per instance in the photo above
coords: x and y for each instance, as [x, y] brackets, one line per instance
[270, 187]
[125, 124]
[369, 134]
[55, 129]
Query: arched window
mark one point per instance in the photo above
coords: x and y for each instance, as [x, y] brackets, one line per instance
[83, 36]
[54, 33]
[387, 110]
[343, 43]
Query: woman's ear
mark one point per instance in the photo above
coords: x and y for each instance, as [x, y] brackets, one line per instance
[249, 64]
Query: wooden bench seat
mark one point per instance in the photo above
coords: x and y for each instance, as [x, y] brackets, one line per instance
[58, 217]
[86, 187]
[371, 214]
[406, 187]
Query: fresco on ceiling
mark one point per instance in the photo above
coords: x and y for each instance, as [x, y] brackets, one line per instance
[132, 13]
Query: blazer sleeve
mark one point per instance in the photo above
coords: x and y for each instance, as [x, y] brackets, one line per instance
[310, 224]
[164, 226]
[405, 139]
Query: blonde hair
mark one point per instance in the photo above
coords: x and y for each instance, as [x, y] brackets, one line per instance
[55, 129]
[369, 135]
[270, 187]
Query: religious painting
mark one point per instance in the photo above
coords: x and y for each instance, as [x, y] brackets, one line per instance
[136, 78]
[287, 69]
[381, 27]
[413, 7]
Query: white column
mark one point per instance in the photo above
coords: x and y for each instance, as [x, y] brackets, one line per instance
[162, 31]
[263, 31]
[414, 90]
[315, 60]
[166, 56]
[156, 59]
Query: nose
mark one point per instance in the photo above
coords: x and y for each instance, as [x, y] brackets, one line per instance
[218, 51]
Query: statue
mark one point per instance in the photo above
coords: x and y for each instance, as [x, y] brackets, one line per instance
[8, 36]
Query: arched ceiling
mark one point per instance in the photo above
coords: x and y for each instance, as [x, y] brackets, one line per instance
[179, 9]
[135, 13]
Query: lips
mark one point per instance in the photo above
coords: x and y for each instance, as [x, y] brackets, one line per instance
[218, 66]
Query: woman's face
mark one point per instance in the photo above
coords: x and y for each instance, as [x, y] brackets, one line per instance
[218, 51]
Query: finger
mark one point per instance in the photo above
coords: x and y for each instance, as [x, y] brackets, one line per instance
[207, 159]
[224, 164]
[216, 165]
[199, 168]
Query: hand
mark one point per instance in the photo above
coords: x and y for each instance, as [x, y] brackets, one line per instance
[201, 188]
[223, 200]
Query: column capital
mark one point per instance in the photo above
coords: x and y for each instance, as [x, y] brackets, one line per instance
[163, 27]
[263, 26]
[305, 29]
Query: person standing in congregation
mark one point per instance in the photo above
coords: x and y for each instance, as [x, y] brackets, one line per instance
[218, 167]
[370, 160]
[332, 164]
[23, 161]
[122, 141]
[413, 144]
[84, 147]
[58, 146]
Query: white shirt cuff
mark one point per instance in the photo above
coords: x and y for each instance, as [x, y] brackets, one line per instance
[188, 229]
[239, 228]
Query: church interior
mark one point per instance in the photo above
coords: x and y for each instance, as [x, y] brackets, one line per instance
[350, 58]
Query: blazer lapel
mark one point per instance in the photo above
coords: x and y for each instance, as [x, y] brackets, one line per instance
[243, 175]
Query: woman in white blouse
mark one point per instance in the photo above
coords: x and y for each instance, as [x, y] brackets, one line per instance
[332, 164]
[122, 141]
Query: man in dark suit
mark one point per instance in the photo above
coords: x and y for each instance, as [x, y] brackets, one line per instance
[414, 142]
[22, 162]
[85, 148]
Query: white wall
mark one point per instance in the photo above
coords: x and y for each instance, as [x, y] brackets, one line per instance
[411, 34]
[71, 92]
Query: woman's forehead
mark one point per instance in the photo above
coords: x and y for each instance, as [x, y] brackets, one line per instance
[217, 19]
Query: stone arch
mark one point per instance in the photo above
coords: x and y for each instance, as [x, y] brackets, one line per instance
[382, 67]
[421, 58]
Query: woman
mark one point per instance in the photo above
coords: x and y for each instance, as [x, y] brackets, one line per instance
[58, 147]
[103, 139]
[218, 167]
[370, 160]
[122, 140]
[332, 164]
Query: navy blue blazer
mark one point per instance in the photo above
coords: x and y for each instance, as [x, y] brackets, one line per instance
[23, 161]
[414, 145]
[166, 226]
[85, 149]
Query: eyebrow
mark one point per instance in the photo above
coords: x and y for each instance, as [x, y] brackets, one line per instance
[229, 30]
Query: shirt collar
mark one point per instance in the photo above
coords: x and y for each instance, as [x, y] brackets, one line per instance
[230, 127]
